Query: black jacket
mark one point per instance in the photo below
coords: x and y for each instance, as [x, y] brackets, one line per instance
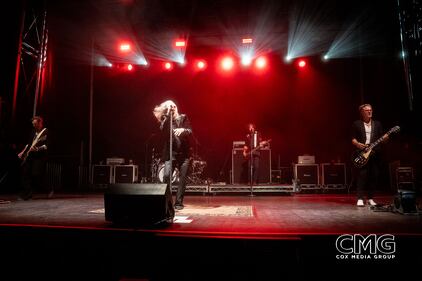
[358, 131]
[181, 144]
[42, 144]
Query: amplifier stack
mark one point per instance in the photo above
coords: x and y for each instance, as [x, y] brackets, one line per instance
[110, 174]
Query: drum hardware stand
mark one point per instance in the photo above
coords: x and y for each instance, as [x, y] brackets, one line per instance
[154, 167]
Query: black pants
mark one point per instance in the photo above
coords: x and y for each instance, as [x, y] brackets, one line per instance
[367, 178]
[182, 163]
[33, 173]
[255, 169]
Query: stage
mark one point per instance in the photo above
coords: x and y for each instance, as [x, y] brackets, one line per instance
[216, 237]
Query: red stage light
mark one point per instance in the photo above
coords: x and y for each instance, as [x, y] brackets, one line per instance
[200, 65]
[261, 62]
[129, 67]
[168, 65]
[301, 63]
[227, 63]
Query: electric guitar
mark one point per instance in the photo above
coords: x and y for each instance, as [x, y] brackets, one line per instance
[261, 145]
[27, 151]
[361, 157]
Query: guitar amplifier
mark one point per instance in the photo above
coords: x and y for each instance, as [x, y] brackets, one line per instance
[333, 174]
[404, 178]
[102, 174]
[307, 174]
[306, 159]
[125, 173]
[240, 167]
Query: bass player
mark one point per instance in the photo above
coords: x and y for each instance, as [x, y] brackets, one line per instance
[34, 160]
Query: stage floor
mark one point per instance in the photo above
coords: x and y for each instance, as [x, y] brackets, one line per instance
[272, 216]
[216, 237]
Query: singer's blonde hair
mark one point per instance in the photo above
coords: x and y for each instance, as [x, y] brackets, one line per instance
[161, 109]
[168, 103]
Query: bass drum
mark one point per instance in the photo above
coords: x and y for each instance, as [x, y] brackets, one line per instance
[160, 175]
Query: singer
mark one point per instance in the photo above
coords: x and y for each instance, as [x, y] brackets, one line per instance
[180, 157]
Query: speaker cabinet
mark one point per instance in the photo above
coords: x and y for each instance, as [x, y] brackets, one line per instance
[307, 174]
[240, 167]
[333, 174]
[125, 173]
[102, 174]
[138, 204]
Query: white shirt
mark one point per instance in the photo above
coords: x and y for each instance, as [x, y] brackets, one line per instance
[368, 130]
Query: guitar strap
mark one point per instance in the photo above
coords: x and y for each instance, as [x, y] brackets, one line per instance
[37, 137]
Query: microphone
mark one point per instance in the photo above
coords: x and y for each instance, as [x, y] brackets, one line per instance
[170, 109]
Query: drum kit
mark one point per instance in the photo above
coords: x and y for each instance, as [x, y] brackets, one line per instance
[195, 174]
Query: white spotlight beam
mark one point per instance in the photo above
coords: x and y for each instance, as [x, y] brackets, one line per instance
[162, 48]
[307, 31]
[352, 41]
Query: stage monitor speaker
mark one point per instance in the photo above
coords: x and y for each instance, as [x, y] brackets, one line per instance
[240, 167]
[138, 204]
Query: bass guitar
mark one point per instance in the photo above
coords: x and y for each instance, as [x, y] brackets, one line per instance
[28, 149]
[361, 157]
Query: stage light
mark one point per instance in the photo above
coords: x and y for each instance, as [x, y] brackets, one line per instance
[325, 57]
[261, 62]
[201, 65]
[125, 47]
[246, 60]
[168, 66]
[287, 59]
[101, 60]
[227, 63]
[179, 43]
[247, 40]
[140, 60]
[129, 67]
[182, 62]
[301, 63]
[402, 54]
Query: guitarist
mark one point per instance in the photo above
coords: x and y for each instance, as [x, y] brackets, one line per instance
[34, 159]
[254, 142]
[365, 131]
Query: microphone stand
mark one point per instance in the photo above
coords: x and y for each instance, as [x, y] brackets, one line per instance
[251, 167]
[170, 179]
[170, 112]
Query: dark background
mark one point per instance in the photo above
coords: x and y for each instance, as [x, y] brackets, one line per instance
[307, 111]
